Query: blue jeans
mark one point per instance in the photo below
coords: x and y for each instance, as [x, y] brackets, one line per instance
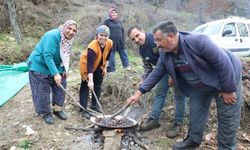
[228, 116]
[160, 98]
[123, 56]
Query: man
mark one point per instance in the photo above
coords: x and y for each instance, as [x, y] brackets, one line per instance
[48, 69]
[150, 54]
[118, 38]
[202, 71]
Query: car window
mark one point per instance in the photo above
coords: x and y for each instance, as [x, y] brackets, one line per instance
[230, 27]
[242, 29]
[209, 29]
[212, 29]
[200, 28]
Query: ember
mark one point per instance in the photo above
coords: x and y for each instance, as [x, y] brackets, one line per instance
[115, 122]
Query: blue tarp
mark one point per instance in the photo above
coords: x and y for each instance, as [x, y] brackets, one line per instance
[12, 79]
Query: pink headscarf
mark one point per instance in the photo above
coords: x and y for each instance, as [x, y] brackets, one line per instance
[110, 11]
[65, 44]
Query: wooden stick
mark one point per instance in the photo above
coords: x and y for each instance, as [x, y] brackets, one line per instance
[97, 100]
[88, 128]
[77, 104]
[140, 144]
[119, 111]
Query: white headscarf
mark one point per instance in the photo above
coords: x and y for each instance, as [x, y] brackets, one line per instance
[65, 44]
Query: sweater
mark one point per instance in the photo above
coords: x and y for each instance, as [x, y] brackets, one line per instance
[45, 58]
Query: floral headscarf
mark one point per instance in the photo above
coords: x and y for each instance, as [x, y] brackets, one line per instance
[65, 44]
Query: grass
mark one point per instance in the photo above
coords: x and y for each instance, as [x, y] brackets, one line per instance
[25, 144]
[163, 143]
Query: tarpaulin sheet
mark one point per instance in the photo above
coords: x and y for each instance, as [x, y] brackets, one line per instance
[12, 79]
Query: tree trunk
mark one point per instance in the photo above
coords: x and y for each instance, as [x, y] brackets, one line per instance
[13, 20]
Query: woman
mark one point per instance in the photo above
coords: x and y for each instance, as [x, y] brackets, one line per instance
[93, 66]
[118, 37]
[48, 69]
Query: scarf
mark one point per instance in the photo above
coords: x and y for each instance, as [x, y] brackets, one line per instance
[110, 12]
[65, 44]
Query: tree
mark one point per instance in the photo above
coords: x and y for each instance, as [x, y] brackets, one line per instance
[13, 20]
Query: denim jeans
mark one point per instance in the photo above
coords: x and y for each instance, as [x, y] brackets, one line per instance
[228, 116]
[180, 106]
[160, 98]
[123, 56]
[41, 86]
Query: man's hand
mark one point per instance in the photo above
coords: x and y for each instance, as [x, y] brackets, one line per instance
[58, 79]
[229, 98]
[170, 81]
[135, 98]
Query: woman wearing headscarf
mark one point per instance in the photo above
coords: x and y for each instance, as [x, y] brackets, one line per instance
[48, 69]
[118, 38]
[93, 66]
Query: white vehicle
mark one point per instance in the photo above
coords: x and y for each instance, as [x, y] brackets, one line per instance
[232, 33]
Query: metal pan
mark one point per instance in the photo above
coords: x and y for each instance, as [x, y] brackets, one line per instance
[95, 121]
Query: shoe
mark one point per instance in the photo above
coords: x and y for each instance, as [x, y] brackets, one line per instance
[60, 114]
[86, 114]
[186, 144]
[97, 109]
[150, 124]
[48, 118]
[174, 131]
[128, 68]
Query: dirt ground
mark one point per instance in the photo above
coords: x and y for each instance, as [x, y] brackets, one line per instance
[20, 128]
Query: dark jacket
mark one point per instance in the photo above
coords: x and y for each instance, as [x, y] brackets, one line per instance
[215, 66]
[149, 53]
[116, 33]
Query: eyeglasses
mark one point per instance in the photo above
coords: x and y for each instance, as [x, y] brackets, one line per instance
[158, 40]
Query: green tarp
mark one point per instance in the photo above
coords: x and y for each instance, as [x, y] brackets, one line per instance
[12, 79]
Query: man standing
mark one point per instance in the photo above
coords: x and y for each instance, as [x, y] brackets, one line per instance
[202, 71]
[118, 38]
[150, 54]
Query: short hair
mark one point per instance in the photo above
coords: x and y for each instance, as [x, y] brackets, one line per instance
[165, 27]
[134, 27]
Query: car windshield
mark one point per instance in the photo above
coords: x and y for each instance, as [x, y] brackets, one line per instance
[209, 29]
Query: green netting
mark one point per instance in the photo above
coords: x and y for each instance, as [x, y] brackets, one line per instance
[12, 79]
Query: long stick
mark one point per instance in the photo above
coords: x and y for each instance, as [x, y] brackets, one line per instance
[88, 110]
[119, 111]
[97, 100]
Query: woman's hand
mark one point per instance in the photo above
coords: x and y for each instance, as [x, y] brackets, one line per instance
[104, 72]
[91, 85]
[90, 82]
[58, 79]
